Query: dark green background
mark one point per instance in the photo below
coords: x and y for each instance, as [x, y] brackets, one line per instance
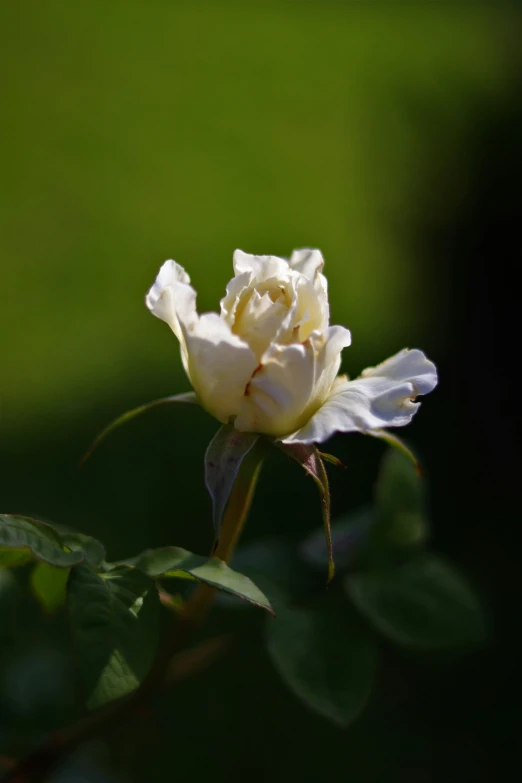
[386, 134]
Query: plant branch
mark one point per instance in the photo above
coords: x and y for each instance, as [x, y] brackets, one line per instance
[60, 744]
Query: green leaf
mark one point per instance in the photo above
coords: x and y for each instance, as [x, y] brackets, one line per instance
[189, 397]
[324, 657]
[172, 561]
[79, 542]
[223, 458]
[38, 538]
[423, 602]
[10, 594]
[14, 557]
[114, 620]
[349, 539]
[309, 457]
[49, 585]
[274, 565]
[400, 503]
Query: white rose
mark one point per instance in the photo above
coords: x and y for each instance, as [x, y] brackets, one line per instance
[269, 361]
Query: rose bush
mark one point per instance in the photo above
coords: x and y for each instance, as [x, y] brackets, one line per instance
[269, 362]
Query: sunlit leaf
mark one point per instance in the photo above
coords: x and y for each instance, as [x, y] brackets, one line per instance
[189, 397]
[38, 538]
[223, 458]
[324, 657]
[114, 620]
[14, 557]
[49, 585]
[309, 457]
[175, 562]
[424, 602]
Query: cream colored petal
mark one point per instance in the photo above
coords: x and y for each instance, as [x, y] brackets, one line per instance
[220, 365]
[329, 360]
[304, 313]
[310, 312]
[307, 262]
[237, 286]
[279, 392]
[259, 321]
[261, 267]
[310, 263]
[407, 365]
[173, 299]
[384, 396]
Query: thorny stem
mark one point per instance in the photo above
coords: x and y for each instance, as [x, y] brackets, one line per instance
[60, 744]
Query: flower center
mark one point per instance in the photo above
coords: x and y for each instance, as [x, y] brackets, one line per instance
[260, 313]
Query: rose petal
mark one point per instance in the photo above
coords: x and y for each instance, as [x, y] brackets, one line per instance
[382, 397]
[236, 287]
[218, 363]
[291, 382]
[307, 262]
[279, 392]
[172, 298]
[261, 267]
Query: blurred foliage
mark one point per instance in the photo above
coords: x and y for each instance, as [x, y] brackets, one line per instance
[317, 643]
[386, 135]
[137, 131]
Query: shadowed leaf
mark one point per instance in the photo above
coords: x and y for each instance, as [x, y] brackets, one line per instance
[176, 562]
[400, 503]
[92, 548]
[38, 538]
[114, 620]
[349, 539]
[324, 657]
[275, 566]
[424, 603]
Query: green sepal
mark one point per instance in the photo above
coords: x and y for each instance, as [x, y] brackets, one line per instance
[332, 459]
[189, 397]
[223, 459]
[309, 457]
[397, 443]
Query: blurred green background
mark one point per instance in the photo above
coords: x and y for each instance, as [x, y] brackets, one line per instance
[384, 134]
